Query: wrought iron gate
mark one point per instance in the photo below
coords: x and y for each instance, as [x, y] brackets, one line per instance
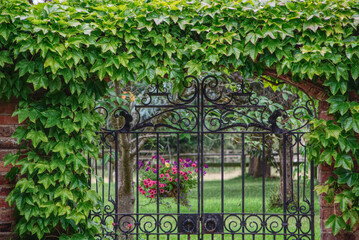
[206, 113]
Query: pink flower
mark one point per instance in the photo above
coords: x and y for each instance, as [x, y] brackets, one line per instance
[162, 190]
[154, 191]
[129, 226]
[170, 179]
[167, 175]
[161, 175]
[194, 165]
[174, 172]
[189, 172]
[143, 192]
[150, 185]
[181, 172]
[152, 196]
[185, 178]
[176, 180]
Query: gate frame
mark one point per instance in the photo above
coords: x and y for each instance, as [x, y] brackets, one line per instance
[200, 91]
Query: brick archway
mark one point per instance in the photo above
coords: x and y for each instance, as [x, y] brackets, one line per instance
[319, 92]
[8, 125]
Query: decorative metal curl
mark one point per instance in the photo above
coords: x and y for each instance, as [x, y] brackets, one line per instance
[120, 112]
[253, 226]
[233, 223]
[147, 226]
[166, 225]
[125, 225]
[223, 121]
[274, 224]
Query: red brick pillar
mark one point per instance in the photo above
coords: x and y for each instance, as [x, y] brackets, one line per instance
[328, 209]
[8, 125]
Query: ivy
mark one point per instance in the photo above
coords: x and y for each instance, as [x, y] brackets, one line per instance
[55, 56]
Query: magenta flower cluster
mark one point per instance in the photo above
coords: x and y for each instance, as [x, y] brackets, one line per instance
[166, 178]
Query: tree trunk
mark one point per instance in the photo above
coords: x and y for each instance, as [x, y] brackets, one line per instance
[125, 170]
[255, 166]
[256, 162]
[126, 197]
[285, 168]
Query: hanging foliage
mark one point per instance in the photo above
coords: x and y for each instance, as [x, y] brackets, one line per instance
[54, 57]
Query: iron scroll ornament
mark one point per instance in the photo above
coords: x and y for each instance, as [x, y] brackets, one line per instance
[216, 102]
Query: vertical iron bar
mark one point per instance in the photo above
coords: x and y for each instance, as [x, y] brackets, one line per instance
[264, 168]
[157, 185]
[291, 159]
[222, 179]
[178, 176]
[103, 184]
[110, 174]
[222, 173]
[96, 171]
[116, 183]
[285, 185]
[178, 203]
[89, 175]
[103, 176]
[311, 192]
[89, 170]
[137, 194]
[243, 173]
[200, 154]
[297, 139]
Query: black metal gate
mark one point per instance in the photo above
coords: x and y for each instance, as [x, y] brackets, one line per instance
[188, 134]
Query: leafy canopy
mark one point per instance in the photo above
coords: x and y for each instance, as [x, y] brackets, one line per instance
[54, 57]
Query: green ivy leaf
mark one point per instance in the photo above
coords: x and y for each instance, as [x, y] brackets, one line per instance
[36, 137]
[25, 66]
[344, 160]
[63, 148]
[336, 223]
[352, 123]
[54, 63]
[64, 194]
[333, 131]
[351, 215]
[38, 81]
[327, 156]
[5, 58]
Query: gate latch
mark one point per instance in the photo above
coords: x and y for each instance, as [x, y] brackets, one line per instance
[212, 223]
[188, 224]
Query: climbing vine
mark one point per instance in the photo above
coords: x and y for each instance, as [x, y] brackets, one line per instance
[54, 58]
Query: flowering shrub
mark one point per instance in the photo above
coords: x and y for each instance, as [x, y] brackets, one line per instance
[181, 175]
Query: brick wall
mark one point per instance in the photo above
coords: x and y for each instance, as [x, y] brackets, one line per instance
[7, 145]
[327, 209]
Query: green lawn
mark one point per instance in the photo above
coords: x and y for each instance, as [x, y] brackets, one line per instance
[232, 199]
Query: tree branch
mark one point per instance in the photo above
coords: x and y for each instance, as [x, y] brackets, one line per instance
[312, 89]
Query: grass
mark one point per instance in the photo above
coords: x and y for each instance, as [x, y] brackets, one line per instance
[212, 203]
